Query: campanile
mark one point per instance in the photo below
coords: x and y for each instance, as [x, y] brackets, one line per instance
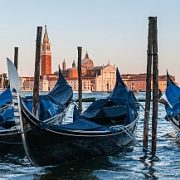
[45, 55]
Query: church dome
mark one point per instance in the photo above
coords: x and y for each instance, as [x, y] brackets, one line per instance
[87, 62]
[72, 72]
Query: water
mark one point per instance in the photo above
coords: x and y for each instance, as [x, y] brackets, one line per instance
[129, 164]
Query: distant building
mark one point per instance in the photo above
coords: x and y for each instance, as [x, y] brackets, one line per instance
[137, 82]
[94, 78]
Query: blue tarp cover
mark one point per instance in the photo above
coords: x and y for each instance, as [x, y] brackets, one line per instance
[121, 102]
[79, 123]
[49, 105]
[5, 97]
[54, 102]
[172, 94]
[62, 91]
[6, 114]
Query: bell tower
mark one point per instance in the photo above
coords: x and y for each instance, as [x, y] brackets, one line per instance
[45, 55]
[64, 65]
[73, 63]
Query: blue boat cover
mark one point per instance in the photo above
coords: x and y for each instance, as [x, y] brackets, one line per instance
[48, 106]
[172, 94]
[5, 97]
[54, 102]
[62, 91]
[78, 124]
[6, 114]
[120, 103]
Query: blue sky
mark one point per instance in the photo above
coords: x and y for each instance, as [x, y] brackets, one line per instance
[110, 30]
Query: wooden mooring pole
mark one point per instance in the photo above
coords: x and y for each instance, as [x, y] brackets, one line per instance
[155, 86]
[152, 55]
[37, 70]
[16, 57]
[148, 88]
[79, 79]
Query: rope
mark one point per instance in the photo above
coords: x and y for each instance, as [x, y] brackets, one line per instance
[141, 106]
[130, 134]
[75, 103]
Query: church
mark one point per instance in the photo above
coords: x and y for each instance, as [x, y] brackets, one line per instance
[94, 78]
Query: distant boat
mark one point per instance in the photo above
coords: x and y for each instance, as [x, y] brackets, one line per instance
[172, 105]
[88, 91]
[103, 129]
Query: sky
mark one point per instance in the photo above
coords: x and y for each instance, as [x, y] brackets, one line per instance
[113, 31]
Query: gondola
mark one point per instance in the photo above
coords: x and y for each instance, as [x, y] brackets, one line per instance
[52, 106]
[103, 129]
[172, 104]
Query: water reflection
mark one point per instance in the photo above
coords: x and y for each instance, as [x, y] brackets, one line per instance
[77, 170]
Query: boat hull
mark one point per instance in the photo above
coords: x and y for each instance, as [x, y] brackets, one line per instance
[49, 147]
[10, 142]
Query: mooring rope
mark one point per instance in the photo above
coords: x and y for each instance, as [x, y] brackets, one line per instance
[141, 105]
[131, 135]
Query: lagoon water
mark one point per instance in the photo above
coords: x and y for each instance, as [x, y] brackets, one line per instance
[128, 164]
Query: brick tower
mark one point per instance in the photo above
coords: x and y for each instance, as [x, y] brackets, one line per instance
[45, 55]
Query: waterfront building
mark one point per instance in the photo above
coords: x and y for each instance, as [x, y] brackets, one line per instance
[103, 81]
[137, 82]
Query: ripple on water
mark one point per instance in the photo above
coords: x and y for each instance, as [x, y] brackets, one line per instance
[129, 164]
[17, 171]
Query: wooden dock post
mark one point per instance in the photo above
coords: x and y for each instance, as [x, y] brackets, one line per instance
[79, 78]
[155, 85]
[37, 70]
[148, 88]
[152, 56]
[16, 57]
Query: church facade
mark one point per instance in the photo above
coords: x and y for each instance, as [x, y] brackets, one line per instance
[94, 78]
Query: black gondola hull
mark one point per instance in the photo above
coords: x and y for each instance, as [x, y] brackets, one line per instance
[10, 142]
[49, 147]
